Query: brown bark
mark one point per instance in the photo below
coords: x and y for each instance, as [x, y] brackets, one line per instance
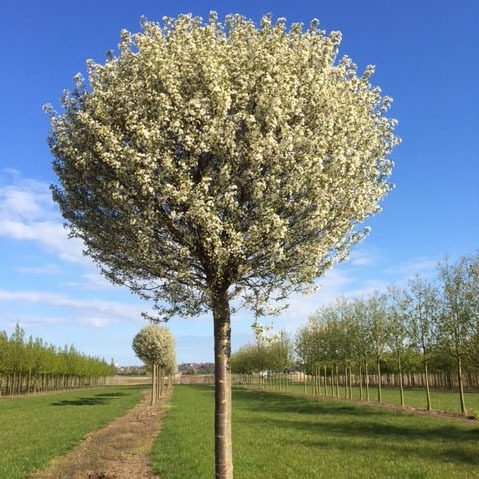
[426, 378]
[378, 367]
[153, 384]
[461, 386]
[222, 339]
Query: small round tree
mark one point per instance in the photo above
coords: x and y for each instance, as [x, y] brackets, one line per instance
[155, 346]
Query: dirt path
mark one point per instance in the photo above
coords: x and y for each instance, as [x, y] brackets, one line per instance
[118, 451]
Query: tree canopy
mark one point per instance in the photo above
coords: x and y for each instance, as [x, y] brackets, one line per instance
[221, 155]
[156, 345]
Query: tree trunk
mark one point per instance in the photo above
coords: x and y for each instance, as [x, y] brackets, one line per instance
[401, 385]
[162, 382]
[366, 374]
[153, 384]
[378, 367]
[222, 339]
[337, 379]
[360, 381]
[350, 380]
[461, 386]
[159, 382]
[346, 382]
[426, 379]
[325, 380]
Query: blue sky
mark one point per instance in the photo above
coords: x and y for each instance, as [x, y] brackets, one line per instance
[426, 56]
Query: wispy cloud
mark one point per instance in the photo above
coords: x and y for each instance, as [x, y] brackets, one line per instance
[27, 213]
[45, 270]
[99, 322]
[91, 280]
[32, 322]
[24, 198]
[363, 257]
[422, 266]
[86, 309]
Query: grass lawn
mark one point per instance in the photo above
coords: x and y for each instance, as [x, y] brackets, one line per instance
[36, 429]
[442, 400]
[278, 435]
[447, 401]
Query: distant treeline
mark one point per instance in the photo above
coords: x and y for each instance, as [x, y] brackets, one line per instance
[33, 366]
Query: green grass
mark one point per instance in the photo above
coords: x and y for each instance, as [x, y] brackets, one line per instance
[33, 430]
[447, 401]
[184, 448]
[442, 400]
[278, 435]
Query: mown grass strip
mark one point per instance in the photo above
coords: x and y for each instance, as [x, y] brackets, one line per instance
[185, 446]
[279, 435]
[442, 400]
[34, 430]
[446, 401]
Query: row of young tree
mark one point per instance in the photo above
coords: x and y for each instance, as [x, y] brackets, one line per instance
[30, 365]
[270, 352]
[426, 331]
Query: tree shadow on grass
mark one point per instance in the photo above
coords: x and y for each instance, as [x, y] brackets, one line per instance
[96, 400]
[111, 395]
[361, 427]
[88, 401]
[297, 403]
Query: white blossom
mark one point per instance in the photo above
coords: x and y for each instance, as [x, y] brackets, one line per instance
[221, 160]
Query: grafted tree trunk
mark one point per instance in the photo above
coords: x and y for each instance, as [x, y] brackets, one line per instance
[222, 340]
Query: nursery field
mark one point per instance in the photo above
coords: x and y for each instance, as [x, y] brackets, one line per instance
[36, 429]
[278, 435]
[442, 400]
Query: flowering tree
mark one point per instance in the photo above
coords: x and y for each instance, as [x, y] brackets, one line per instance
[212, 161]
[458, 328]
[155, 346]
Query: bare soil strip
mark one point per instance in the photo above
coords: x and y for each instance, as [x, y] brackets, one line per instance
[118, 451]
